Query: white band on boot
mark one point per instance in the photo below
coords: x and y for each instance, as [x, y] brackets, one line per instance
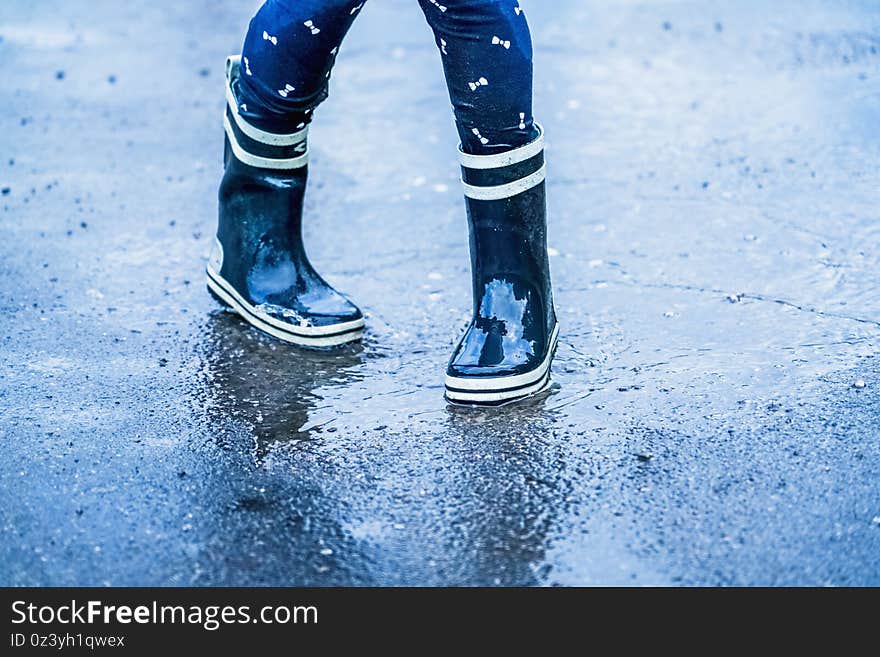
[262, 162]
[505, 191]
[505, 160]
[499, 160]
[233, 65]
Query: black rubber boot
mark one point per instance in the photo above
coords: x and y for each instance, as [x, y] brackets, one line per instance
[505, 353]
[258, 265]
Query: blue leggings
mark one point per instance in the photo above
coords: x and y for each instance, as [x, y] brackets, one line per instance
[485, 46]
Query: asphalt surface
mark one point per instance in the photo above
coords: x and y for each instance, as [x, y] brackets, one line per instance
[715, 235]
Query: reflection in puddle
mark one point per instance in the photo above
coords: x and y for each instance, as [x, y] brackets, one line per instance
[404, 492]
[511, 485]
[269, 385]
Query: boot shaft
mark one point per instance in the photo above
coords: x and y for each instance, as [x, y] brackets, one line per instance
[506, 203]
[261, 193]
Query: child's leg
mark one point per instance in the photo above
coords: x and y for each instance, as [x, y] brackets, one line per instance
[259, 266]
[486, 50]
[288, 53]
[506, 352]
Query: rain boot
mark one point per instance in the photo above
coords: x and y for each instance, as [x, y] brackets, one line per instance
[506, 351]
[258, 266]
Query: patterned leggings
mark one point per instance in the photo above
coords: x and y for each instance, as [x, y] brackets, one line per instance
[485, 46]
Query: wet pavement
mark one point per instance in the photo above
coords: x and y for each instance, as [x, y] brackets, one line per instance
[715, 235]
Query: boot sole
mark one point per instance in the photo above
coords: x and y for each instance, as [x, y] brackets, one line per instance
[497, 391]
[311, 336]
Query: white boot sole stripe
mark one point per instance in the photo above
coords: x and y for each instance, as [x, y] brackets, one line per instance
[508, 389]
[504, 383]
[307, 335]
[331, 341]
[501, 397]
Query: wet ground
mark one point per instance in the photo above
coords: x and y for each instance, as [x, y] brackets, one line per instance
[716, 238]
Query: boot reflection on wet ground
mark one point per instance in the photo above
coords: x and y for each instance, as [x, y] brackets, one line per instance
[267, 384]
[484, 495]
